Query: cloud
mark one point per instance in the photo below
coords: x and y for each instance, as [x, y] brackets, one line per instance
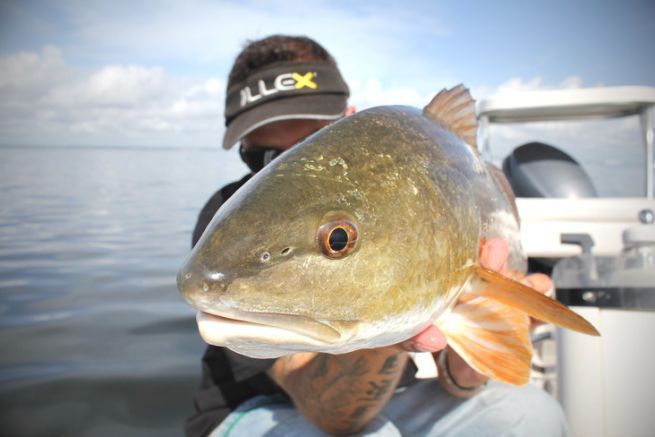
[372, 92]
[27, 72]
[115, 86]
[117, 81]
[517, 85]
[45, 100]
[203, 35]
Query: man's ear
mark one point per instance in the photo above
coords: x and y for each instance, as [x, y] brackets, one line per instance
[350, 110]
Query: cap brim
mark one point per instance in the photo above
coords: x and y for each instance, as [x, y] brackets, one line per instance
[310, 107]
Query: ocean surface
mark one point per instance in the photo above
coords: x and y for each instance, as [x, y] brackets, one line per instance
[95, 338]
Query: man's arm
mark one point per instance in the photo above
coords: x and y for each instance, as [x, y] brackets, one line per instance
[340, 394]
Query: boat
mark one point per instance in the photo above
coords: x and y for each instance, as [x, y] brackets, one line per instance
[599, 250]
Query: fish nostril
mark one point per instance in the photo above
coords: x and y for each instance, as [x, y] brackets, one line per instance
[214, 281]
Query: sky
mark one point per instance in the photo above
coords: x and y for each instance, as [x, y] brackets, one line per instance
[152, 73]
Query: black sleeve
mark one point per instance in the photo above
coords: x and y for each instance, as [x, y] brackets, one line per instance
[213, 204]
[206, 215]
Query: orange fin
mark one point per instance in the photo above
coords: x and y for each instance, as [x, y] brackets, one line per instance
[454, 109]
[516, 295]
[492, 338]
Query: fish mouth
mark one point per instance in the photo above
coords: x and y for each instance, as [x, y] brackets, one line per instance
[254, 321]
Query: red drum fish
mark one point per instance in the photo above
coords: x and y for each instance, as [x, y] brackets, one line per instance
[365, 234]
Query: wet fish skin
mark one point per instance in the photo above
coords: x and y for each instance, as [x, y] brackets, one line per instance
[380, 168]
[420, 202]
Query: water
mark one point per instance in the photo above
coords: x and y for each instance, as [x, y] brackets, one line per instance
[94, 335]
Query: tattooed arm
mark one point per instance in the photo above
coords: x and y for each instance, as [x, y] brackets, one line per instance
[340, 394]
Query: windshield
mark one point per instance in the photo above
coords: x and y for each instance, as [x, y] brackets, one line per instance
[611, 151]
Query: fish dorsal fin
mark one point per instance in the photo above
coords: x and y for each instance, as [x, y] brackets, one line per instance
[516, 295]
[492, 338]
[454, 109]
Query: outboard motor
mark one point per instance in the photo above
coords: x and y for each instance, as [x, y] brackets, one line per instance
[539, 170]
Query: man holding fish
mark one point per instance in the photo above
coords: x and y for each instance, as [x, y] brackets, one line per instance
[313, 309]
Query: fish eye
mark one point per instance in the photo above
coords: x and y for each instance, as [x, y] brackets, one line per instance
[265, 257]
[337, 239]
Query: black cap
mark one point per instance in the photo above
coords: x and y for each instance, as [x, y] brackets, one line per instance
[284, 91]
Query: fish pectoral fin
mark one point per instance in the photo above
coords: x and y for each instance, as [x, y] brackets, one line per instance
[492, 338]
[514, 294]
[454, 109]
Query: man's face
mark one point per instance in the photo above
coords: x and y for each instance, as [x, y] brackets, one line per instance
[281, 135]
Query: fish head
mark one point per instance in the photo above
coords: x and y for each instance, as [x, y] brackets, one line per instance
[336, 242]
